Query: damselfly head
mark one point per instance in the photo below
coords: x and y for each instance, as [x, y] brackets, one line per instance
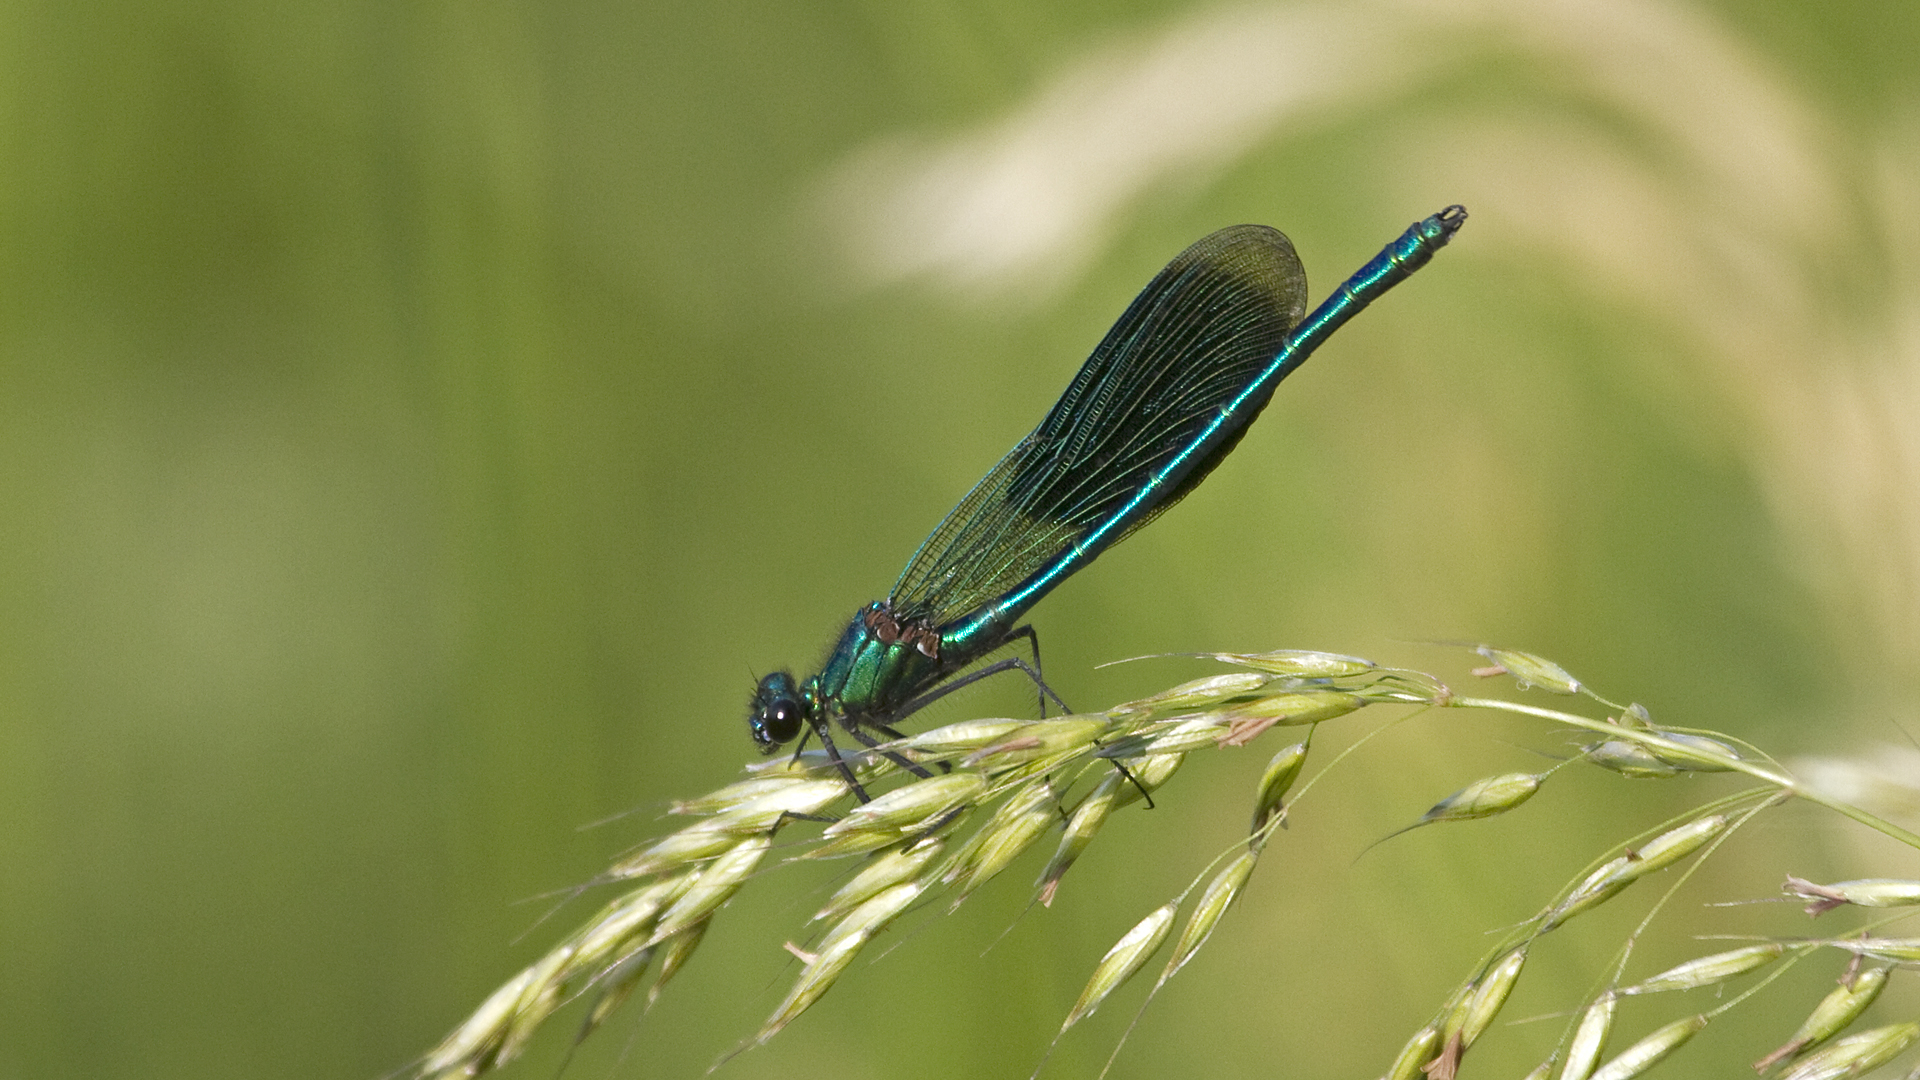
[778, 711]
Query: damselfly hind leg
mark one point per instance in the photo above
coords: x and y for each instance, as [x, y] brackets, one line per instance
[1011, 663]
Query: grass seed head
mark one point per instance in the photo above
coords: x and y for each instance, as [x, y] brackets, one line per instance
[1133, 950]
[1650, 1051]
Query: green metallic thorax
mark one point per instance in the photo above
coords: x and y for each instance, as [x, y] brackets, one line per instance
[870, 677]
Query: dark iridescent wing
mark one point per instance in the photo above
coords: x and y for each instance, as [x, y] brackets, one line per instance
[1128, 439]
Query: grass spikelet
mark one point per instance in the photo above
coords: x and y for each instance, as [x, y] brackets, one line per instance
[956, 739]
[674, 954]
[1708, 970]
[1856, 1054]
[862, 842]
[904, 807]
[772, 808]
[836, 951]
[1197, 694]
[1599, 887]
[1490, 996]
[1652, 1050]
[1630, 759]
[1282, 771]
[1471, 1010]
[1695, 753]
[616, 986]
[691, 844]
[1657, 854]
[1835, 1013]
[1300, 663]
[628, 920]
[1014, 827]
[544, 992]
[1082, 825]
[738, 792]
[1529, 670]
[715, 886]
[1127, 956]
[1415, 1053]
[1247, 722]
[1174, 737]
[873, 916]
[1867, 892]
[884, 870]
[1675, 844]
[1041, 745]
[1149, 773]
[1483, 798]
[1214, 901]
[1589, 1038]
[470, 1049]
[1892, 950]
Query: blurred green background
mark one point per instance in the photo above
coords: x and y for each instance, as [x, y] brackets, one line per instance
[419, 423]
